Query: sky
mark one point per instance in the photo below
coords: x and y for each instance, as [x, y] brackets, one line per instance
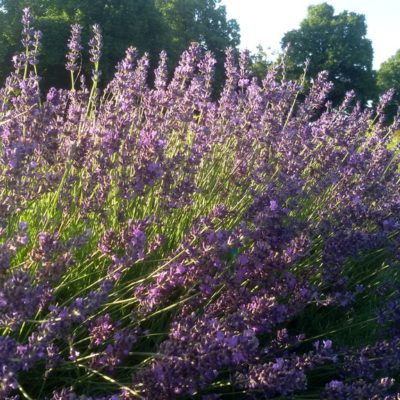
[265, 22]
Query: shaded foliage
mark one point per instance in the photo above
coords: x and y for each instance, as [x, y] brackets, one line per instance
[148, 25]
[260, 63]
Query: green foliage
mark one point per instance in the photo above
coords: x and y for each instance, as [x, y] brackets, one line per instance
[149, 25]
[388, 77]
[260, 63]
[337, 44]
[203, 21]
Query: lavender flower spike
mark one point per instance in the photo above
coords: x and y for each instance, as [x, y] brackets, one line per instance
[27, 30]
[96, 44]
[75, 48]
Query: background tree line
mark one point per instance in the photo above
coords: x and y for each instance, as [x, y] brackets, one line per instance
[149, 25]
[338, 44]
[333, 42]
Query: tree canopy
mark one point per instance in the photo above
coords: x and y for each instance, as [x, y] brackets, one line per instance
[149, 25]
[337, 44]
[388, 77]
[260, 63]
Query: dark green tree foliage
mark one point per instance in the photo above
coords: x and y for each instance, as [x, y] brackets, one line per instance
[56, 24]
[149, 25]
[388, 77]
[260, 63]
[123, 22]
[203, 21]
[337, 44]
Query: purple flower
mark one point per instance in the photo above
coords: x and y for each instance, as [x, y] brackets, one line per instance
[95, 43]
[74, 48]
[101, 330]
[273, 205]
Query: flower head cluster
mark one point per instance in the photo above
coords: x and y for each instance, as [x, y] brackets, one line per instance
[95, 43]
[74, 48]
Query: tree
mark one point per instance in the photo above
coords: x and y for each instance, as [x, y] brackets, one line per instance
[123, 22]
[260, 63]
[388, 77]
[337, 44]
[203, 21]
[149, 25]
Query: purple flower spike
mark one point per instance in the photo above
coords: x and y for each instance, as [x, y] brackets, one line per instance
[101, 329]
[96, 44]
[74, 48]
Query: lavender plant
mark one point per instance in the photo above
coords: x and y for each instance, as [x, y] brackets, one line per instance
[157, 243]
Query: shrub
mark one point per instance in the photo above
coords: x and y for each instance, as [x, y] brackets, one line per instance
[159, 244]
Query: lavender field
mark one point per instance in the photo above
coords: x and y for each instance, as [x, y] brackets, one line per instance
[158, 242]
